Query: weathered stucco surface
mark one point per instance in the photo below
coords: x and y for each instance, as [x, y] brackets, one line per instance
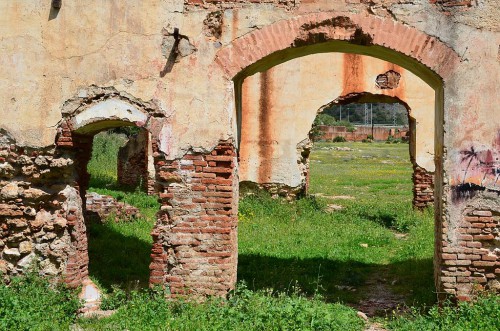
[189, 84]
[280, 104]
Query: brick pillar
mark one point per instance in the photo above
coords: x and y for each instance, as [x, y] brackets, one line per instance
[79, 148]
[470, 256]
[195, 238]
[423, 188]
[133, 162]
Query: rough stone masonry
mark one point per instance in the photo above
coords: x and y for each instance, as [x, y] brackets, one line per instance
[181, 70]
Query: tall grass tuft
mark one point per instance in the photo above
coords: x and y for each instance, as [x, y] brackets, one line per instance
[243, 310]
[30, 302]
[481, 315]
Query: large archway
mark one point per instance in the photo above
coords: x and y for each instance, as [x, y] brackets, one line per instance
[423, 55]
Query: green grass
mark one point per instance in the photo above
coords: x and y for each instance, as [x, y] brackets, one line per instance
[243, 310]
[32, 303]
[103, 164]
[482, 315]
[119, 253]
[282, 243]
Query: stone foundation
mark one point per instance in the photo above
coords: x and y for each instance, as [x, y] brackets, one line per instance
[275, 190]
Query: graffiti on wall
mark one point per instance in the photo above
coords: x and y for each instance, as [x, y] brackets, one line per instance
[478, 169]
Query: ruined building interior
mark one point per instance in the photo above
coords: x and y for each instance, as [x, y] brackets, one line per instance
[207, 81]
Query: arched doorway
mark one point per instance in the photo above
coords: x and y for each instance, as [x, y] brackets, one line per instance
[411, 49]
[98, 110]
[278, 107]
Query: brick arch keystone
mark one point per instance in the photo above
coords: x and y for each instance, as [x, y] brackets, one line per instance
[353, 29]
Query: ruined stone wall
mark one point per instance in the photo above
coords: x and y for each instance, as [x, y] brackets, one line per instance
[100, 207]
[132, 167]
[40, 212]
[182, 60]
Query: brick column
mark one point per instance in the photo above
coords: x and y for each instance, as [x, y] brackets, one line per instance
[195, 238]
[79, 148]
[423, 188]
[132, 167]
[470, 255]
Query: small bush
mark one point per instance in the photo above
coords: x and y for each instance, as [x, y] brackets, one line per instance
[339, 139]
[30, 302]
[482, 315]
[324, 119]
[392, 140]
[115, 299]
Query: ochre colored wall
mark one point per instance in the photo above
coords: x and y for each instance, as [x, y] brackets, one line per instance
[279, 107]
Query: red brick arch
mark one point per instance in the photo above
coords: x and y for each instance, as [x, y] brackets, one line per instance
[354, 33]
[426, 56]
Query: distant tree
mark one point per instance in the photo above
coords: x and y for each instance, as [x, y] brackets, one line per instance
[324, 119]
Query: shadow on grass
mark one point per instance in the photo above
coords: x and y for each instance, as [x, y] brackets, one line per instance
[107, 182]
[383, 218]
[116, 259]
[344, 281]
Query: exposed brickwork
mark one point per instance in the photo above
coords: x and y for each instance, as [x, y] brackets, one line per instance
[423, 188]
[473, 260]
[132, 167]
[39, 221]
[101, 207]
[195, 247]
[195, 239]
[323, 27]
[227, 4]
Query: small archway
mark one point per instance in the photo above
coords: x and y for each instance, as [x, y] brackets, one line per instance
[423, 179]
[99, 109]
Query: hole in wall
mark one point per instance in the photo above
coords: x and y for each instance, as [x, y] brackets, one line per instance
[119, 213]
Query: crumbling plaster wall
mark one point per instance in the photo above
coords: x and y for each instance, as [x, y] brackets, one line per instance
[280, 104]
[48, 56]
